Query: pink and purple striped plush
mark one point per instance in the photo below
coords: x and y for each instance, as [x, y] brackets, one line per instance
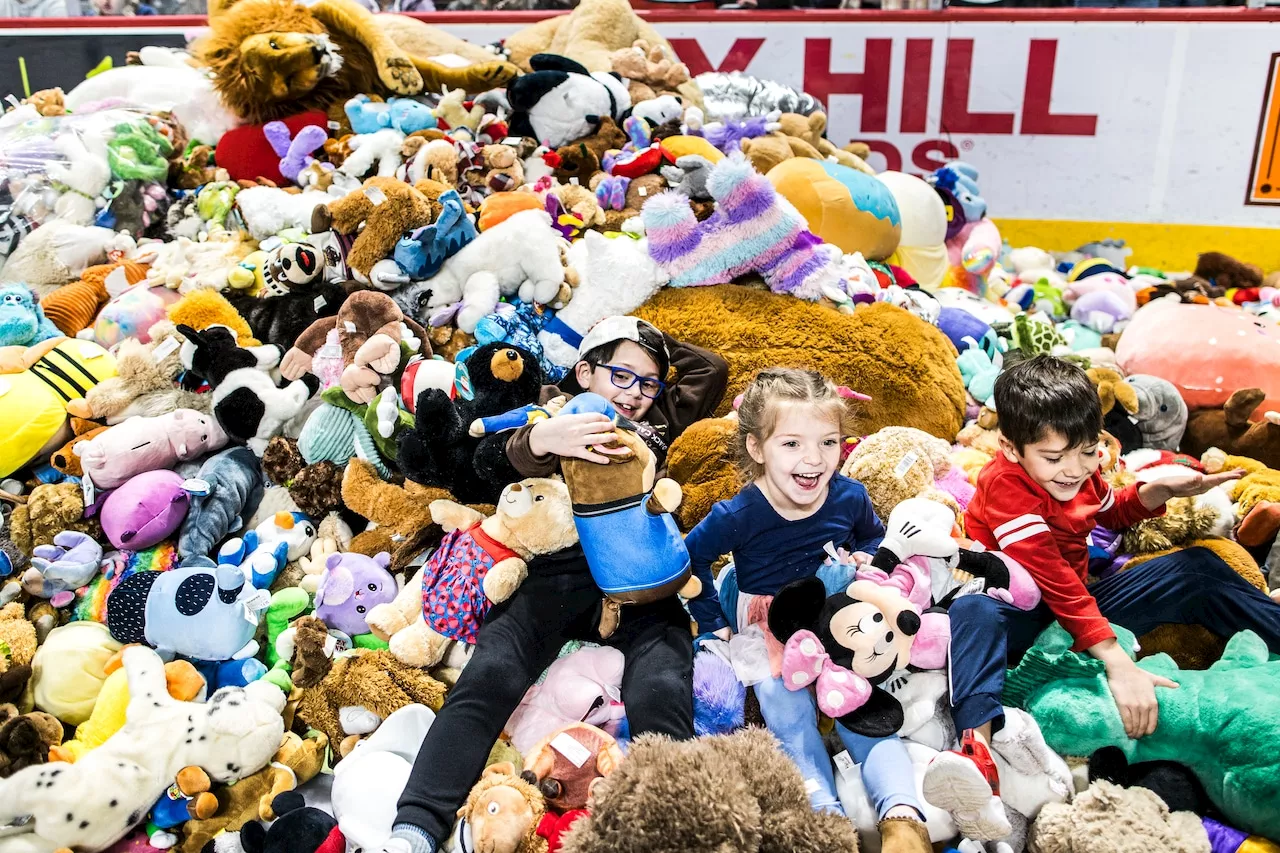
[752, 230]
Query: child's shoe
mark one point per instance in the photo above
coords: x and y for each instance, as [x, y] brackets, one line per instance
[965, 783]
[904, 835]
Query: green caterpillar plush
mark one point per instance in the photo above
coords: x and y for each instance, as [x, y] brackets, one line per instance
[1222, 723]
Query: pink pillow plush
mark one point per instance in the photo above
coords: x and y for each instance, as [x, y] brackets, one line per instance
[1207, 351]
[144, 511]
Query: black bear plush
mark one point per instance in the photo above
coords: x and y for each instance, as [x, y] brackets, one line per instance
[440, 451]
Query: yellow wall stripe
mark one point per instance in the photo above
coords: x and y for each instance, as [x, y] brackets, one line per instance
[1168, 247]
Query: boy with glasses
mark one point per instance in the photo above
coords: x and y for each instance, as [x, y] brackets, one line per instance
[627, 361]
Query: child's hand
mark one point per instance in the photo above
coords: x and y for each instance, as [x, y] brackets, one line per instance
[572, 435]
[1134, 692]
[1187, 484]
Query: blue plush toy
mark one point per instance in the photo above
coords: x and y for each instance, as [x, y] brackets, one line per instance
[403, 114]
[199, 611]
[957, 183]
[22, 320]
[623, 516]
[422, 252]
[268, 548]
[224, 495]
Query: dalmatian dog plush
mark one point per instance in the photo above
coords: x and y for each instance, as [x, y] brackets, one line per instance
[89, 805]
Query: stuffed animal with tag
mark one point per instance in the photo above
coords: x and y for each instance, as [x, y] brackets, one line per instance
[623, 516]
[94, 802]
[373, 333]
[247, 402]
[199, 611]
[139, 445]
[568, 763]
[481, 562]
[561, 101]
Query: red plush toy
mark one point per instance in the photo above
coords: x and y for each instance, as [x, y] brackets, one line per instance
[553, 826]
[247, 155]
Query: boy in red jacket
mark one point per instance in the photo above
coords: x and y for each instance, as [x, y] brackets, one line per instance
[1038, 501]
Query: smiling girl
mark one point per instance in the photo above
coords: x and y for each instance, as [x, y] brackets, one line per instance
[790, 426]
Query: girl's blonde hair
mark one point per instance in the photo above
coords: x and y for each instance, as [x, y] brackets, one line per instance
[758, 414]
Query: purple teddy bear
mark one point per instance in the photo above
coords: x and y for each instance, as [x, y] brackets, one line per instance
[351, 586]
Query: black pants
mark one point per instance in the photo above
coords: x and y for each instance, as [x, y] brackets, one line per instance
[521, 638]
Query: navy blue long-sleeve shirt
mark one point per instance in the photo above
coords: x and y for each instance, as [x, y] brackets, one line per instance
[768, 550]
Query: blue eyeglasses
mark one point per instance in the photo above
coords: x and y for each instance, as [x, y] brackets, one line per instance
[623, 377]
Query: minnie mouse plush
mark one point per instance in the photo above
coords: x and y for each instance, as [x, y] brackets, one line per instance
[849, 643]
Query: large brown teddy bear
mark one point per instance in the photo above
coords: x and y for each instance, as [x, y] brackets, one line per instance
[590, 35]
[275, 58]
[701, 460]
[906, 366]
[729, 792]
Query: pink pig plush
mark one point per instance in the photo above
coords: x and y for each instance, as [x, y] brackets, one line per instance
[138, 445]
[145, 510]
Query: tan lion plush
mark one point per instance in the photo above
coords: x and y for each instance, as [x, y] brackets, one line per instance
[276, 58]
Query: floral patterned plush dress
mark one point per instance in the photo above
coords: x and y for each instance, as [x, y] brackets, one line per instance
[453, 600]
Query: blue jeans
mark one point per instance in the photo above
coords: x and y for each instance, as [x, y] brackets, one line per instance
[792, 717]
[1191, 587]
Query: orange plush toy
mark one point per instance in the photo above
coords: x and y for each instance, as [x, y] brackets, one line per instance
[74, 306]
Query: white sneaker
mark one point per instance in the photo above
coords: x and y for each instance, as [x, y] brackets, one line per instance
[955, 784]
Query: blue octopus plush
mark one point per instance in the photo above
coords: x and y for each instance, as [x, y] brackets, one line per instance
[22, 320]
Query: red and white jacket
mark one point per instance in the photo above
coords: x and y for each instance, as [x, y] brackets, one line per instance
[1011, 513]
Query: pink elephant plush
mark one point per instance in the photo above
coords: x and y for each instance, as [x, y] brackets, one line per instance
[585, 686]
[138, 445]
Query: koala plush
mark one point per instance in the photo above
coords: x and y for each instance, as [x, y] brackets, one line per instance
[92, 803]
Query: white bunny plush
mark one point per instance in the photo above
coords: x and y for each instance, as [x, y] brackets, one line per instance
[89, 805]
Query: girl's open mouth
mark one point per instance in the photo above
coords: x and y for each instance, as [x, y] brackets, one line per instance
[807, 481]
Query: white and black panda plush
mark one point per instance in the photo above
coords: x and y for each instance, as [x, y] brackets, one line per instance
[561, 101]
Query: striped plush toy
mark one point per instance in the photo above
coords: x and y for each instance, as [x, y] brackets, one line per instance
[752, 230]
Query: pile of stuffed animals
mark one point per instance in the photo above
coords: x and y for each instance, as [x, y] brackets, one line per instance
[269, 308]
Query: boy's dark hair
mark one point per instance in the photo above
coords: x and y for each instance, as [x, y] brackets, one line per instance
[1046, 393]
[651, 341]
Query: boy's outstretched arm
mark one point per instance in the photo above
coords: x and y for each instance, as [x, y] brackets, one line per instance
[1187, 484]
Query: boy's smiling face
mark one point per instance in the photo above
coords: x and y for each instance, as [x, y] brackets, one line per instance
[1054, 464]
[629, 402]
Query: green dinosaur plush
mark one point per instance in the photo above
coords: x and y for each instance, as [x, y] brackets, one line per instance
[1034, 337]
[1222, 723]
